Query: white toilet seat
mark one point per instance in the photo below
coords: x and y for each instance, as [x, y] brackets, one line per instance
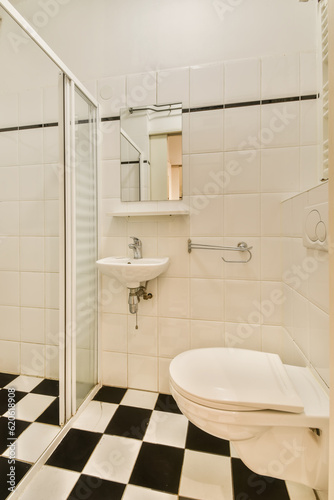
[235, 379]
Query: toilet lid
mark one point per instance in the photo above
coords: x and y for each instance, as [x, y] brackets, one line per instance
[234, 379]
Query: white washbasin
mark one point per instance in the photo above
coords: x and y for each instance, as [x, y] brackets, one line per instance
[131, 272]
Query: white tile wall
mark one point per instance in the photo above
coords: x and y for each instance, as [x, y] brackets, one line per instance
[206, 174]
[213, 123]
[9, 254]
[143, 340]
[9, 288]
[141, 89]
[309, 122]
[242, 80]
[173, 297]
[319, 337]
[243, 336]
[207, 299]
[174, 336]
[9, 183]
[10, 323]
[31, 107]
[242, 171]
[308, 73]
[241, 126]
[10, 356]
[207, 334]
[32, 254]
[207, 215]
[206, 85]
[242, 214]
[309, 175]
[173, 86]
[280, 170]
[143, 372]
[280, 76]
[114, 331]
[9, 147]
[114, 369]
[31, 146]
[9, 110]
[111, 94]
[240, 164]
[280, 125]
[306, 274]
[242, 301]
[51, 145]
[32, 325]
[29, 234]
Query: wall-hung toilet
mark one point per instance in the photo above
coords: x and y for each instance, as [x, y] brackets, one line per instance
[276, 415]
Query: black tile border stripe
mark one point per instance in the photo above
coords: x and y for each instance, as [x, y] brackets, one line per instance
[235, 105]
[29, 127]
[134, 162]
[279, 100]
[110, 118]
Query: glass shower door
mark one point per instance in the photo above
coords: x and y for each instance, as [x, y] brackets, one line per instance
[85, 246]
[81, 246]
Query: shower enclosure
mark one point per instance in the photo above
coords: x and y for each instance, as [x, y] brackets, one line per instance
[48, 240]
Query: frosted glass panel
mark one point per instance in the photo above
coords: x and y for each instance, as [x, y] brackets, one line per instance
[86, 247]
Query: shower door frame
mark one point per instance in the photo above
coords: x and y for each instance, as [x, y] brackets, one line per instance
[66, 339]
[69, 88]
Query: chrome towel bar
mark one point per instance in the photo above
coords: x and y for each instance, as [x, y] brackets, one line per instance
[242, 247]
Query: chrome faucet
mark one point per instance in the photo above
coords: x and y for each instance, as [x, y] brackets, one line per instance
[136, 247]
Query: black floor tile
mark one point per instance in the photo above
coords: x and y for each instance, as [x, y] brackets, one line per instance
[6, 378]
[47, 387]
[94, 488]
[166, 402]
[158, 467]
[51, 414]
[4, 399]
[199, 440]
[21, 468]
[129, 421]
[19, 427]
[110, 394]
[247, 484]
[74, 450]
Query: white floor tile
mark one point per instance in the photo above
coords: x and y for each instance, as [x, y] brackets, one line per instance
[51, 483]
[299, 491]
[95, 417]
[32, 406]
[24, 383]
[206, 476]
[140, 399]
[137, 493]
[113, 458]
[167, 428]
[33, 441]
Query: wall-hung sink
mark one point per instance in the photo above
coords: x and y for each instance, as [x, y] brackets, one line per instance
[131, 272]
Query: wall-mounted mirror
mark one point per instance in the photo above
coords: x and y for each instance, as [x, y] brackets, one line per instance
[151, 153]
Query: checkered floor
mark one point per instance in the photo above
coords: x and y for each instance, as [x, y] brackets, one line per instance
[136, 445]
[36, 422]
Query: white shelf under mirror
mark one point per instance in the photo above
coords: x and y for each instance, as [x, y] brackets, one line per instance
[147, 213]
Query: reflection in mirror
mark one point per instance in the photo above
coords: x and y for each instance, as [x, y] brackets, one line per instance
[151, 153]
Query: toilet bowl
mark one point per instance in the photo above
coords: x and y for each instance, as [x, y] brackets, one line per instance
[276, 415]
